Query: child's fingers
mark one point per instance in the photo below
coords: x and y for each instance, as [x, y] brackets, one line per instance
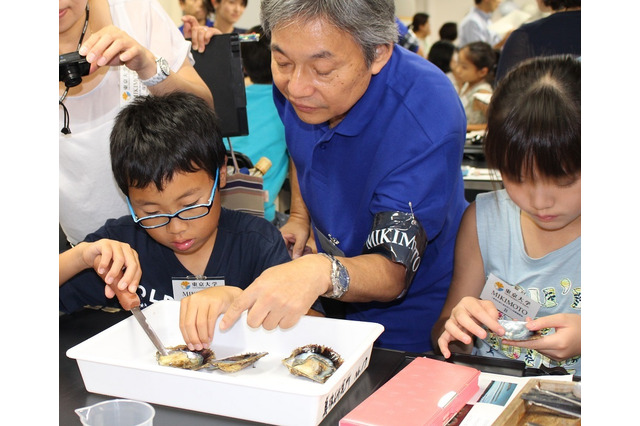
[443, 344]
[131, 269]
[117, 265]
[105, 257]
[459, 332]
[108, 291]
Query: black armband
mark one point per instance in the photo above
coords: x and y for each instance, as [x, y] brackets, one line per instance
[400, 237]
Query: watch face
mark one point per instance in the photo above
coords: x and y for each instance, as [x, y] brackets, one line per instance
[164, 66]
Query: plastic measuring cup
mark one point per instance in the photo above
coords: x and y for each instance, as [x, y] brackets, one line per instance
[117, 412]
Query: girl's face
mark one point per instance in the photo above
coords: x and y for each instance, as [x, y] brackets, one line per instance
[465, 71]
[551, 204]
[70, 13]
[229, 10]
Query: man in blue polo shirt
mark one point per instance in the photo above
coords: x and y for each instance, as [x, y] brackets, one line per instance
[376, 136]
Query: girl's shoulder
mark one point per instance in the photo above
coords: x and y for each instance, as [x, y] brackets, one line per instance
[494, 204]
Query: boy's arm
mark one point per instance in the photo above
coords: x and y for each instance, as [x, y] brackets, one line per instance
[114, 261]
[70, 263]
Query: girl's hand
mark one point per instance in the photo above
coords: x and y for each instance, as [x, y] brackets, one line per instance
[199, 312]
[115, 262]
[565, 343]
[111, 46]
[466, 320]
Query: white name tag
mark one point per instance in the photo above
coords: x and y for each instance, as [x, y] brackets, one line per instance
[130, 86]
[512, 302]
[186, 286]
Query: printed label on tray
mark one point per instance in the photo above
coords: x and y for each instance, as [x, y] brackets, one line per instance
[334, 396]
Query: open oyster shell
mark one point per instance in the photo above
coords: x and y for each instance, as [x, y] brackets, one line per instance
[236, 362]
[181, 357]
[315, 362]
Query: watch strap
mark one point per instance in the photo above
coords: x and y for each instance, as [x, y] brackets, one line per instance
[339, 278]
[161, 73]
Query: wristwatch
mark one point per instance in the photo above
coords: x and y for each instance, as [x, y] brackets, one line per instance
[339, 278]
[162, 72]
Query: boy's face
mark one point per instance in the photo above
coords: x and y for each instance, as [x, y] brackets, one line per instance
[184, 237]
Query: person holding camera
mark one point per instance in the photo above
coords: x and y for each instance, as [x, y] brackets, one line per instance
[110, 52]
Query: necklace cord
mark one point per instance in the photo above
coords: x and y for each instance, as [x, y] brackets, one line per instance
[65, 129]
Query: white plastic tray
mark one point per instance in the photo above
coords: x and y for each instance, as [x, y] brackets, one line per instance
[120, 362]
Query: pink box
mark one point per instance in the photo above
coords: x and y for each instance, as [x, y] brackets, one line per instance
[425, 392]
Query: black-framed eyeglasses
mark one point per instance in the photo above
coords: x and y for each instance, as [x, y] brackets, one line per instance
[188, 213]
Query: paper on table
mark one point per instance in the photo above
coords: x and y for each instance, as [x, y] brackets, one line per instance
[510, 21]
[484, 414]
[485, 98]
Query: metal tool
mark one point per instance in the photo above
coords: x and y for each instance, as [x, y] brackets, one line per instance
[131, 302]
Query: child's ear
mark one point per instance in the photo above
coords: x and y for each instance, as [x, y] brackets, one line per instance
[223, 174]
[482, 72]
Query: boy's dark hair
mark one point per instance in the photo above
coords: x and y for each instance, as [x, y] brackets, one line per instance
[534, 120]
[449, 31]
[441, 53]
[256, 57]
[156, 136]
[483, 55]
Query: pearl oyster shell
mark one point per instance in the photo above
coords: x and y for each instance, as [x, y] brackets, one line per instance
[236, 362]
[315, 362]
[181, 357]
[517, 330]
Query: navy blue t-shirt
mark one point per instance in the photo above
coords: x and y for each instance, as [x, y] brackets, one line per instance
[245, 246]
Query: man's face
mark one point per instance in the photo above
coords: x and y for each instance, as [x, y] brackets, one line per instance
[320, 70]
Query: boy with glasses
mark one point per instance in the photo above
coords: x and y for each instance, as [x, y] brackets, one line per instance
[168, 159]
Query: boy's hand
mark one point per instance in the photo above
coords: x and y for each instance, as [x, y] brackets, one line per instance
[565, 343]
[199, 312]
[115, 262]
[466, 319]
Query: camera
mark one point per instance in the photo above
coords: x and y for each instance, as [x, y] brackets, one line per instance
[72, 67]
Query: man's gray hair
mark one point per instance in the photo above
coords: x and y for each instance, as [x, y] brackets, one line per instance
[370, 22]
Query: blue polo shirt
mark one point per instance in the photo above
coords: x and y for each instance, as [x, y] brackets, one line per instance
[401, 142]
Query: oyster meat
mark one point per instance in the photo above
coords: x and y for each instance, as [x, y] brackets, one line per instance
[236, 362]
[517, 330]
[315, 362]
[181, 357]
